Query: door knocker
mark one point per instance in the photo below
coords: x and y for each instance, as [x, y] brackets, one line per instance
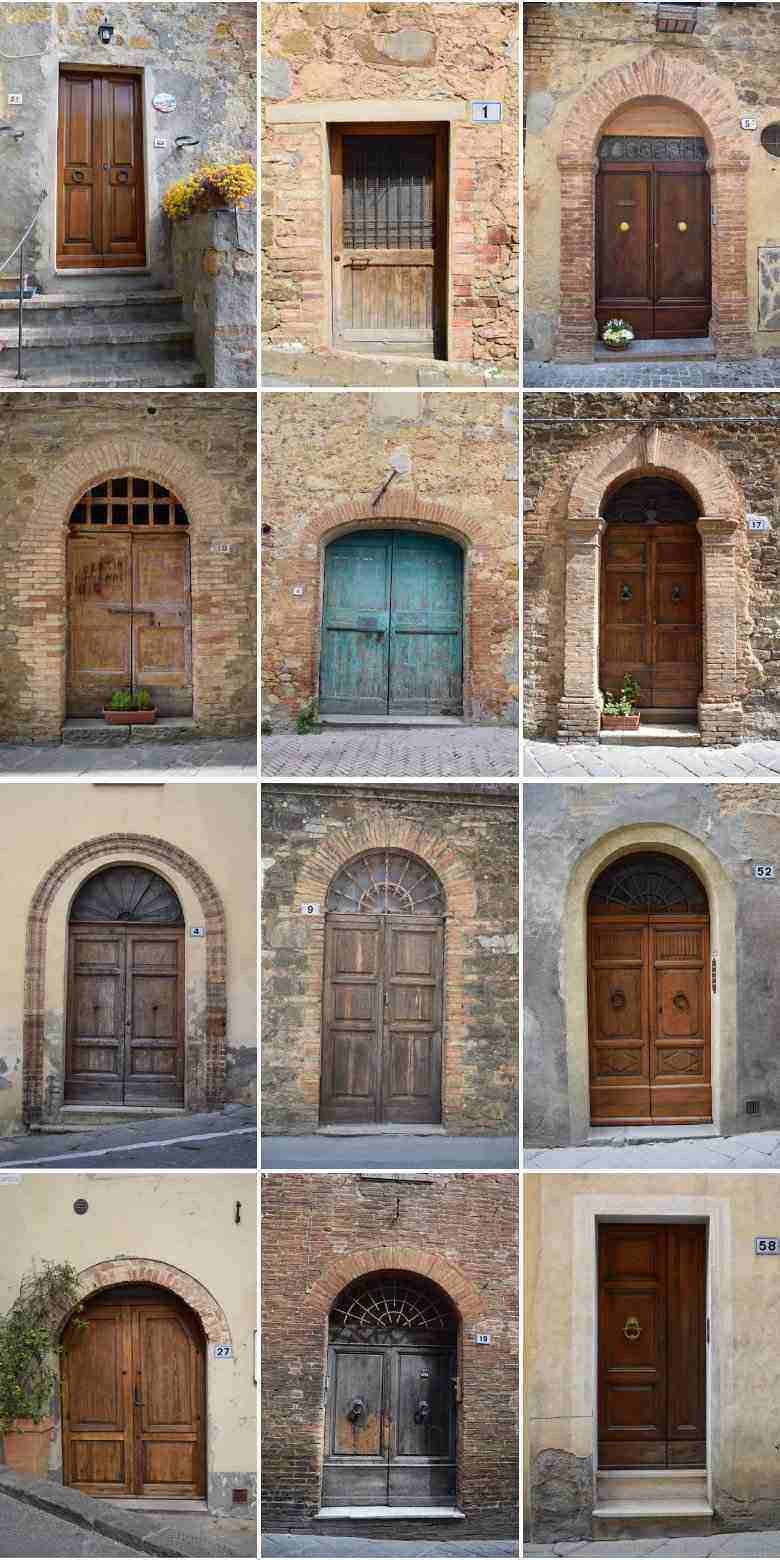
[77, 176]
[631, 1328]
[617, 999]
[682, 227]
[356, 1410]
[626, 593]
[422, 1413]
[622, 227]
[122, 175]
[677, 593]
[680, 1001]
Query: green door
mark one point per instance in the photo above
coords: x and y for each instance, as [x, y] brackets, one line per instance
[392, 628]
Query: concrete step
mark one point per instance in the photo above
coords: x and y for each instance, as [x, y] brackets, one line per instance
[654, 735]
[697, 349]
[622, 1486]
[115, 348]
[175, 375]
[83, 732]
[93, 308]
[652, 1503]
[83, 1118]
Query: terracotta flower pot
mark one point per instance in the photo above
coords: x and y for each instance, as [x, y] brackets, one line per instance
[616, 346]
[130, 717]
[620, 722]
[26, 1446]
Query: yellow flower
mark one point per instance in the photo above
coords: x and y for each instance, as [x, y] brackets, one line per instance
[226, 184]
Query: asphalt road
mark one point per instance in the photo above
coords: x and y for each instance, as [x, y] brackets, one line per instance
[307, 1544]
[25, 1530]
[220, 1140]
[391, 1151]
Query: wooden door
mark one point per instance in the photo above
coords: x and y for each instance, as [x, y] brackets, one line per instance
[100, 171]
[653, 250]
[388, 223]
[125, 1015]
[390, 1426]
[382, 1019]
[129, 619]
[355, 626]
[133, 1400]
[652, 1346]
[651, 613]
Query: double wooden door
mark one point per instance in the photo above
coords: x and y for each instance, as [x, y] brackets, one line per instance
[392, 625]
[652, 1346]
[651, 612]
[125, 1042]
[381, 1039]
[133, 1398]
[388, 224]
[100, 205]
[653, 250]
[390, 1427]
[129, 619]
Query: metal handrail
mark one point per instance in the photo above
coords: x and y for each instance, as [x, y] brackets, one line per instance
[20, 251]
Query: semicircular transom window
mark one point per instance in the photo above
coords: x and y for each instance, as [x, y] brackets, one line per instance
[129, 894]
[384, 882]
[392, 1308]
[651, 501]
[770, 139]
[127, 502]
[648, 883]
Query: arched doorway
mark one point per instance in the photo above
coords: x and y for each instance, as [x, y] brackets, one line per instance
[129, 597]
[651, 597]
[648, 993]
[383, 991]
[125, 1014]
[134, 1396]
[392, 625]
[392, 1370]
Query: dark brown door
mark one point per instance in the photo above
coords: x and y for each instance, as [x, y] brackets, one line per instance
[653, 250]
[389, 208]
[125, 1015]
[390, 1430]
[382, 1019]
[100, 176]
[649, 1018]
[652, 1346]
[133, 1400]
[651, 613]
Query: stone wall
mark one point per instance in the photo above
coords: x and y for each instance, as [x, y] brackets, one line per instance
[215, 270]
[321, 1231]
[204, 449]
[442, 53]
[735, 434]
[326, 457]
[468, 838]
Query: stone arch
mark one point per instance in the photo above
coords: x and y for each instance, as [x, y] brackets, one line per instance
[660, 451]
[150, 1270]
[413, 1259]
[721, 894]
[72, 868]
[655, 74]
[395, 834]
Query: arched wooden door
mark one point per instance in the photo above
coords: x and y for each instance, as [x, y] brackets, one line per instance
[133, 1397]
[125, 1020]
[390, 1413]
[383, 992]
[648, 995]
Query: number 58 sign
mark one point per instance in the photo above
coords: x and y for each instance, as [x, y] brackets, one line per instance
[767, 1245]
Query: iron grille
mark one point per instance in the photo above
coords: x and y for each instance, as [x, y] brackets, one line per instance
[648, 882]
[653, 148]
[388, 191]
[372, 1309]
[383, 881]
[770, 139]
[646, 499]
[126, 501]
[132, 894]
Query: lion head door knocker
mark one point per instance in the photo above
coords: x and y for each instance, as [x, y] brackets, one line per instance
[631, 1328]
[680, 1001]
[356, 1410]
[626, 593]
[617, 999]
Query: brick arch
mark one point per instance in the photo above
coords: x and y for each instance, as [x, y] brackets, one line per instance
[602, 465]
[64, 482]
[391, 834]
[149, 1270]
[402, 509]
[117, 847]
[655, 74]
[412, 1259]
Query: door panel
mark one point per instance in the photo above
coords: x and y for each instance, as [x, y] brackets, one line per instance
[651, 612]
[352, 1018]
[97, 1405]
[161, 626]
[682, 283]
[169, 1387]
[412, 1021]
[125, 1016]
[382, 1446]
[656, 273]
[96, 1017]
[154, 1062]
[355, 1464]
[620, 1048]
[625, 266]
[101, 182]
[681, 1051]
[355, 626]
[99, 604]
[79, 214]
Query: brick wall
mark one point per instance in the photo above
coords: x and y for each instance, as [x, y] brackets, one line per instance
[469, 840]
[318, 1233]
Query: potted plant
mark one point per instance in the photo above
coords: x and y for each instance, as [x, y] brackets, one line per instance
[29, 1341]
[619, 712]
[130, 709]
[617, 335]
[215, 186]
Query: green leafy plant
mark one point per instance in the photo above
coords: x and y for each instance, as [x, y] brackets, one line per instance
[143, 700]
[308, 719]
[29, 1341]
[123, 699]
[624, 702]
[617, 330]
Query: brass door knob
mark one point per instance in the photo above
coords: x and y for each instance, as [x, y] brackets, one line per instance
[623, 227]
[631, 1328]
[682, 227]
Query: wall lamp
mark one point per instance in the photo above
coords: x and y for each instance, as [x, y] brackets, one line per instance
[105, 31]
[186, 140]
[17, 134]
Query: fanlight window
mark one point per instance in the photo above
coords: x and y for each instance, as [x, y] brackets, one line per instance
[129, 501]
[770, 139]
[131, 894]
[381, 882]
[649, 882]
[392, 1307]
[646, 500]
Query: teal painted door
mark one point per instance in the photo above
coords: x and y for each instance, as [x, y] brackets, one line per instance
[392, 631]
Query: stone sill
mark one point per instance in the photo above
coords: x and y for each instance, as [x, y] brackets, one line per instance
[371, 1513]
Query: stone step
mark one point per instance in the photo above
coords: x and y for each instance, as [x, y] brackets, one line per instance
[673, 349]
[93, 308]
[86, 732]
[653, 736]
[184, 374]
[84, 1118]
[375, 722]
[621, 1486]
[109, 282]
[105, 348]
[652, 1503]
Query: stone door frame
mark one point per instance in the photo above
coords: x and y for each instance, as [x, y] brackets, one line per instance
[656, 74]
[652, 451]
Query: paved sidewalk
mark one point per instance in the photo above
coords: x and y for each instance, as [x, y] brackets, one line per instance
[295, 1544]
[389, 1151]
[628, 374]
[41, 1518]
[233, 759]
[750, 1545]
[213, 1140]
[439, 752]
[747, 1151]
[581, 761]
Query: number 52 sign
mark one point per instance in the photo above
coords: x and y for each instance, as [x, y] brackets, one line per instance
[767, 1245]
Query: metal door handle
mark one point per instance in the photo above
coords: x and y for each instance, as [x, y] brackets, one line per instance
[137, 1403]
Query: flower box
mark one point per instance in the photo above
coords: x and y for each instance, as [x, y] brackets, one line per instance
[620, 722]
[130, 717]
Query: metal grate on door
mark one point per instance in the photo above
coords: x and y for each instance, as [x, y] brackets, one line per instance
[388, 192]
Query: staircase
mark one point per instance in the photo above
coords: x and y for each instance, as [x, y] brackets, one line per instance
[650, 1503]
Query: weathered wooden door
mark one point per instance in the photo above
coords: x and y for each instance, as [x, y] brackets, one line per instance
[388, 223]
[100, 205]
[133, 1398]
[651, 613]
[652, 1346]
[129, 619]
[392, 625]
[653, 250]
[649, 994]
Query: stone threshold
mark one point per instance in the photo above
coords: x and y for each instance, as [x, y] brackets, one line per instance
[367, 721]
[652, 1492]
[612, 1136]
[668, 349]
[383, 1129]
[181, 1507]
[391, 1513]
[96, 732]
[654, 735]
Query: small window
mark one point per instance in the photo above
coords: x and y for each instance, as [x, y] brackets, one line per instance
[128, 501]
[770, 139]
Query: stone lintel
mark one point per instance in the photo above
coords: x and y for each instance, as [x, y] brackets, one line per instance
[368, 111]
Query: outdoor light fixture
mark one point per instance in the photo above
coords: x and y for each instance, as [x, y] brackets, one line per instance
[676, 18]
[105, 31]
[186, 140]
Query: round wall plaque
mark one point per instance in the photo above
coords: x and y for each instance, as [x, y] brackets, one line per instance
[164, 102]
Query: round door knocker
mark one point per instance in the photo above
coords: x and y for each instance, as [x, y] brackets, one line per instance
[617, 999]
[77, 176]
[122, 175]
[677, 593]
[422, 1413]
[356, 1410]
[680, 1001]
[626, 593]
[682, 227]
[631, 1328]
[623, 227]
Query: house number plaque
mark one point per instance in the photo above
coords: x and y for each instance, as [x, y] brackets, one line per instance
[763, 870]
[758, 522]
[222, 1351]
[311, 909]
[197, 931]
[486, 113]
[767, 1245]
[483, 1338]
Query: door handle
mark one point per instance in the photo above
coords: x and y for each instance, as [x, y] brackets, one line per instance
[137, 1402]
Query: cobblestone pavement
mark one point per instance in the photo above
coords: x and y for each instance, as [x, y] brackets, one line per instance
[751, 1545]
[440, 752]
[304, 1544]
[707, 374]
[622, 1151]
[388, 1151]
[581, 761]
[228, 760]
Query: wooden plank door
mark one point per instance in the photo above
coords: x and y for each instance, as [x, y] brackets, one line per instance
[388, 225]
[411, 1061]
[100, 207]
[355, 626]
[653, 249]
[426, 626]
[390, 1426]
[97, 1404]
[94, 1070]
[352, 1018]
[99, 609]
[422, 1460]
[651, 1346]
[154, 1018]
[168, 1401]
[161, 624]
[651, 613]
[125, 1021]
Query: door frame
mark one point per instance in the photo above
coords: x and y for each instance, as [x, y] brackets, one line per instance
[654, 530]
[139, 72]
